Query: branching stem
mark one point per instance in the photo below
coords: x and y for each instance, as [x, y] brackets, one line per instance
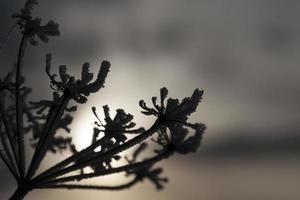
[128, 167]
[102, 156]
[8, 133]
[46, 137]
[8, 165]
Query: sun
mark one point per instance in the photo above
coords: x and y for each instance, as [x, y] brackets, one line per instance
[82, 129]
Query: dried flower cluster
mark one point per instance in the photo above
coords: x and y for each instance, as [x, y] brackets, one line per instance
[112, 136]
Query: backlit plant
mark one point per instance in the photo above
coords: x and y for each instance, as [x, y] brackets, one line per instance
[111, 136]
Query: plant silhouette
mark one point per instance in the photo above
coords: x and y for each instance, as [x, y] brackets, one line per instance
[42, 119]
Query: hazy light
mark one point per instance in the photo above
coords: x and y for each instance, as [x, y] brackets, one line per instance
[82, 128]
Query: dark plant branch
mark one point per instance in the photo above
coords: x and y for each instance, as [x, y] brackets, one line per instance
[7, 151]
[125, 168]
[8, 165]
[19, 106]
[8, 132]
[90, 187]
[102, 156]
[7, 36]
[47, 135]
[71, 89]
[114, 128]
[79, 155]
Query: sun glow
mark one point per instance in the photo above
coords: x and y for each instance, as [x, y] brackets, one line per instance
[82, 129]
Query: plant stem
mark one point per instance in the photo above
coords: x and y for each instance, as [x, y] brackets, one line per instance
[19, 194]
[19, 105]
[102, 156]
[123, 168]
[91, 187]
[6, 162]
[8, 132]
[46, 136]
[73, 158]
[6, 38]
[7, 151]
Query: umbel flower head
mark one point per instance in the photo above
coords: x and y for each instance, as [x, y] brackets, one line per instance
[178, 140]
[173, 111]
[31, 27]
[174, 117]
[118, 126]
[109, 135]
[81, 88]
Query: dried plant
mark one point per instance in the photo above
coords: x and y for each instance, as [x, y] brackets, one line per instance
[42, 119]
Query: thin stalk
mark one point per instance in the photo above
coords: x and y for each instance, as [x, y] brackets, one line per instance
[70, 159]
[8, 165]
[102, 156]
[90, 187]
[7, 151]
[19, 105]
[9, 134]
[128, 167]
[6, 38]
[43, 143]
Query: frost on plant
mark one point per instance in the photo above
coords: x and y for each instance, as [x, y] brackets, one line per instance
[170, 133]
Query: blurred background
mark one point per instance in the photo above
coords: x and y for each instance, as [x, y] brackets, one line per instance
[243, 53]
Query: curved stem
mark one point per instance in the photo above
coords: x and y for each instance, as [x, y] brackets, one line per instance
[6, 38]
[19, 105]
